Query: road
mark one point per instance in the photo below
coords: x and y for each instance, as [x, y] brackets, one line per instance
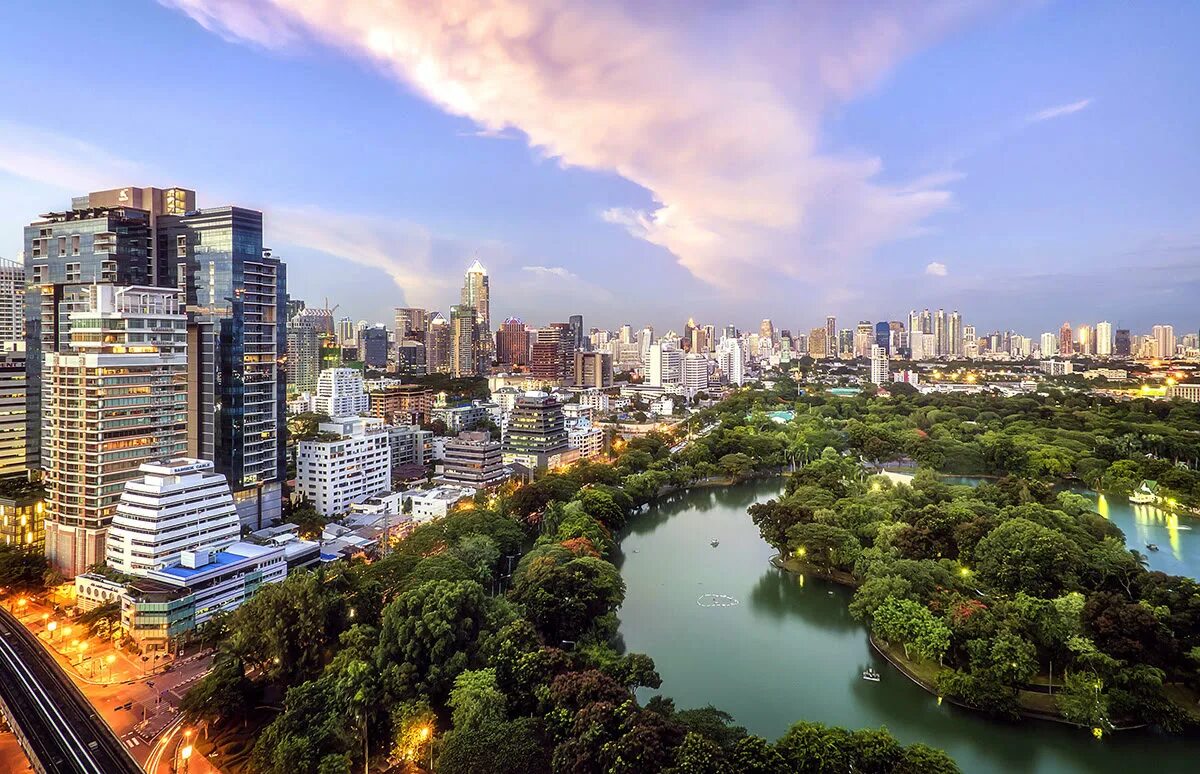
[688, 439]
[65, 734]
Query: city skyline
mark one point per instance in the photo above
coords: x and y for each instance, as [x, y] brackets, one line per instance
[992, 193]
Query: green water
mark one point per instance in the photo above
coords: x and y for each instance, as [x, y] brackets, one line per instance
[789, 650]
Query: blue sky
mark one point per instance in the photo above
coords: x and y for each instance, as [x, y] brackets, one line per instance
[645, 163]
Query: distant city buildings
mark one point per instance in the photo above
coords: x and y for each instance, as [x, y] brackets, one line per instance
[340, 393]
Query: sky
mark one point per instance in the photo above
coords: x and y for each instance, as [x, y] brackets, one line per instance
[1024, 163]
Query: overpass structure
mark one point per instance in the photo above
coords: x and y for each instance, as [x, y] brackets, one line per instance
[57, 726]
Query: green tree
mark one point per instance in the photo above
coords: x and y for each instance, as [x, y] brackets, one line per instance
[824, 545]
[224, 694]
[1020, 555]
[476, 700]
[563, 600]
[1083, 700]
[22, 570]
[480, 554]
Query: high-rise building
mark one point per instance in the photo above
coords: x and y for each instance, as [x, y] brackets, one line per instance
[347, 334]
[941, 332]
[645, 338]
[170, 507]
[12, 301]
[864, 337]
[512, 343]
[883, 335]
[845, 342]
[700, 339]
[665, 364]
[730, 361]
[925, 321]
[340, 393]
[476, 295]
[237, 304]
[914, 322]
[766, 333]
[593, 369]
[373, 347]
[303, 354]
[14, 461]
[1049, 345]
[954, 327]
[537, 432]
[438, 343]
[1104, 339]
[410, 323]
[114, 397]
[546, 354]
[402, 403]
[831, 338]
[818, 346]
[576, 323]
[1066, 340]
[880, 373]
[1123, 343]
[1164, 340]
[695, 373]
[463, 342]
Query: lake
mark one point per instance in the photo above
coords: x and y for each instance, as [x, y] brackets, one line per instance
[788, 650]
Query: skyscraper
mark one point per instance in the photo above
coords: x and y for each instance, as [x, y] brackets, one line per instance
[766, 332]
[115, 396]
[576, 323]
[14, 461]
[1123, 343]
[476, 294]
[303, 354]
[464, 347]
[925, 322]
[410, 322]
[1049, 344]
[941, 332]
[592, 369]
[437, 345]
[954, 329]
[512, 343]
[237, 303]
[665, 364]
[864, 337]
[1066, 341]
[1104, 339]
[845, 343]
[818, 345]
[729, 360]
[1164, 340]
[1087, 343]
[12, 301]
[373, 347]
[546, 354]
[883, 336]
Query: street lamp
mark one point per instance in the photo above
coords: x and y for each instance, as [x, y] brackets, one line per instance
[110, 659]
[425, 734]
[186, 754]
[51, 627]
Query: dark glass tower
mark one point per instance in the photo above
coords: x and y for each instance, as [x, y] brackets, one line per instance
[237, 338]
[883, 336]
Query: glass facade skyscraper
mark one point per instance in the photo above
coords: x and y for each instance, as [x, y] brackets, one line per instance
[237, 304]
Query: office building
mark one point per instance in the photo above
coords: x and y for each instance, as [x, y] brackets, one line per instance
[593, 369]
[941, 332]
[883, 336]
[340, 393]
[438, 342]
[575, 322]
[159, 611]
[1104, 339]
[546, 360]
[401, 404]
[954, 328]
[410, 357]
[473, 459]
[237, 306]
[846, 343]
[512, 343]
[172, 506]
[666, 364]
[1049, 345]
[537, 434]
[831, 338]
[1123, 343]
[864, 337]
[411, 449]
[114, 397]
[880, 373]
[12, 301]
[335, 472]
[410, 323]
[476, 296]
[818, 344]
[373, 347]
[766, 332]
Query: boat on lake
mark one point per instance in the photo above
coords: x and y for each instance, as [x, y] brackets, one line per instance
[870, 675]
[714, 542]
[1145, 494]
[1152, 546]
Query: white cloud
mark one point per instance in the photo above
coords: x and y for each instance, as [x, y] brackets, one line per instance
[38, 155]
[716, 114]
[551, 271]
[1059, 110]
[936, 269]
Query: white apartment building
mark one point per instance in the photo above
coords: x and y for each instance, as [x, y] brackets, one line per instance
[430, 504]
[356, 462]
[1104, 339]
[586, 439]
[879, 366]
[666, 363]
[341, 393]
[175, 506]
[695, 373]
[1164, 340]
[1049, 345]
[113, 398]
[1057, 367]
[596, 400]
[731, 361]
[1190, 392]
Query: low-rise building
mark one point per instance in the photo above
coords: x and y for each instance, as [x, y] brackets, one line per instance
[93, 590]
[459, 418]
[429, 504]
[1189, 392]
[402, 403]
[1057, 367]
[473, 459]
[159, 610]
[348, 462]
[587, 440]
[537, 434]
[412, 450]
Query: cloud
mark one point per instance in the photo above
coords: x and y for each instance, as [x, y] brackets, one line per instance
[717, 115]
[935, 269]
[1059, 110]
[552, 271]
[38, 155]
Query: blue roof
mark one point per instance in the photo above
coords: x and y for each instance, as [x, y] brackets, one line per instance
[218, 559]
